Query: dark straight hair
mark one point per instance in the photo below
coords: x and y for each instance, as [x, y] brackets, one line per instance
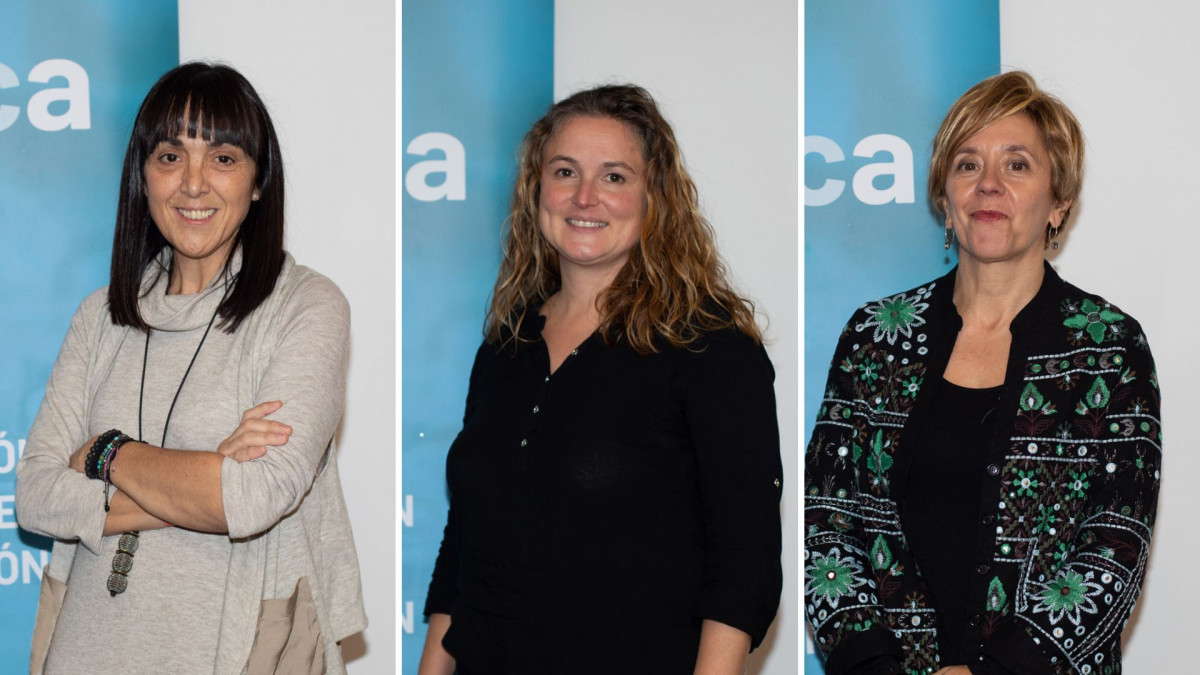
[216, 103]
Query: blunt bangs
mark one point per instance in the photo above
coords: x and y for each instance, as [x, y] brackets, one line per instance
[217, 104]
[214, 104]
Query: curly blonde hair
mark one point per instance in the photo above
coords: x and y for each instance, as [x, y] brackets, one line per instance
[673, 287]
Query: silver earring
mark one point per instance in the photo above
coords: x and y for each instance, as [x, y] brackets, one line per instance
[949, 237]
[1052, 236]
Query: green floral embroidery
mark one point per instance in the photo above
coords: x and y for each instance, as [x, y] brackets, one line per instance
[1094, 319]
[1067, 596]
[1045, 519]
[1026, 483]
[996, 597]
[1031, 398]
[895, 316]
[881, 555]
[1097, 396]
[1078, 485]
[878, 461]
[868, 373]
[1061, 552]
[831, 577]
[911, 386]
[862, 627]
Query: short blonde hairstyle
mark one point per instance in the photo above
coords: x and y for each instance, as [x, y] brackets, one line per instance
[1002, 96]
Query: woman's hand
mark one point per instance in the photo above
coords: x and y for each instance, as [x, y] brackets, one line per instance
[79, 457]
[251, 438]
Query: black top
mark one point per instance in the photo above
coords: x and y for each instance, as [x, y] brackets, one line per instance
[939, 505]
[598, 514]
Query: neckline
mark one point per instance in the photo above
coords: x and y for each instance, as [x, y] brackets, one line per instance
[972, 390]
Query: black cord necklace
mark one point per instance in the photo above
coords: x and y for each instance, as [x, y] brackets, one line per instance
[142, 388]
[118, 579]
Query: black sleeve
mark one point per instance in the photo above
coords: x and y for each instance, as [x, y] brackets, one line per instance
[847, 633]
[443, 588]
[729, 398]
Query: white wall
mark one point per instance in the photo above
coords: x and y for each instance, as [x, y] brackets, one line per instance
[726, 77]
[1130, 75]
[327, 73]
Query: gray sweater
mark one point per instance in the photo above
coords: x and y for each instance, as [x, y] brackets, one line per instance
[192, 592]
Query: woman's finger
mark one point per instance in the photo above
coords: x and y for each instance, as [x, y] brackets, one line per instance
[262, 410]
[238, 442]
[261, 426]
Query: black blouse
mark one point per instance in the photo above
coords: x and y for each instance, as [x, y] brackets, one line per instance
[939, 506]
[598, 514]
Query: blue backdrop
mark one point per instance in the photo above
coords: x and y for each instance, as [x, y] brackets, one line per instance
[878, 78]
[475, 78]
[72, 73]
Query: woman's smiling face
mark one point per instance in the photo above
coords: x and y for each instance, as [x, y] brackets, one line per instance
[998, 193]
[198, 195]
[593, 195]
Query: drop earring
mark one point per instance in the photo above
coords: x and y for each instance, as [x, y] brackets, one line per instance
[949, 236]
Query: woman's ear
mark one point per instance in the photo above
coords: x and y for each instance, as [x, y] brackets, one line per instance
[1059, 214]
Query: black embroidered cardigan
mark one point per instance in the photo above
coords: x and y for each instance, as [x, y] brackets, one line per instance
[1067, 503]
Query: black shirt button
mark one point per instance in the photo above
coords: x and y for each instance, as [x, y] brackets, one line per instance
[982, 569]
[988, 519]
[993, 470]
[976, 619]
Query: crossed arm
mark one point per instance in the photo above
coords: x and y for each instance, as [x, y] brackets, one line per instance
[158, 487]
[302, 347]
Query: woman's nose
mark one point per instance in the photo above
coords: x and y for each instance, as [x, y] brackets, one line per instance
[193, 182]
[989, 182]
[585, 194]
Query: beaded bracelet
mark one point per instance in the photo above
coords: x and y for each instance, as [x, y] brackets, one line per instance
[91, 465]
[106, 462]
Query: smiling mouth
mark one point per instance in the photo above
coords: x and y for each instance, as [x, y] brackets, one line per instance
[575, 222]
[196, 214]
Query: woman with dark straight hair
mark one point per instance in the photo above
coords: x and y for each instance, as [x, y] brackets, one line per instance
[614, 491]
[182, 459]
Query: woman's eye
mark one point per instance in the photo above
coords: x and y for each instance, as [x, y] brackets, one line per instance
[169, 157]
[1018, 165]
[966, 166]
[563, 172]
[615, 178]
[226, 160]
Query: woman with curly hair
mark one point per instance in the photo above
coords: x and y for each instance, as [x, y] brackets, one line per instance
[614, 491]
[982, 477]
